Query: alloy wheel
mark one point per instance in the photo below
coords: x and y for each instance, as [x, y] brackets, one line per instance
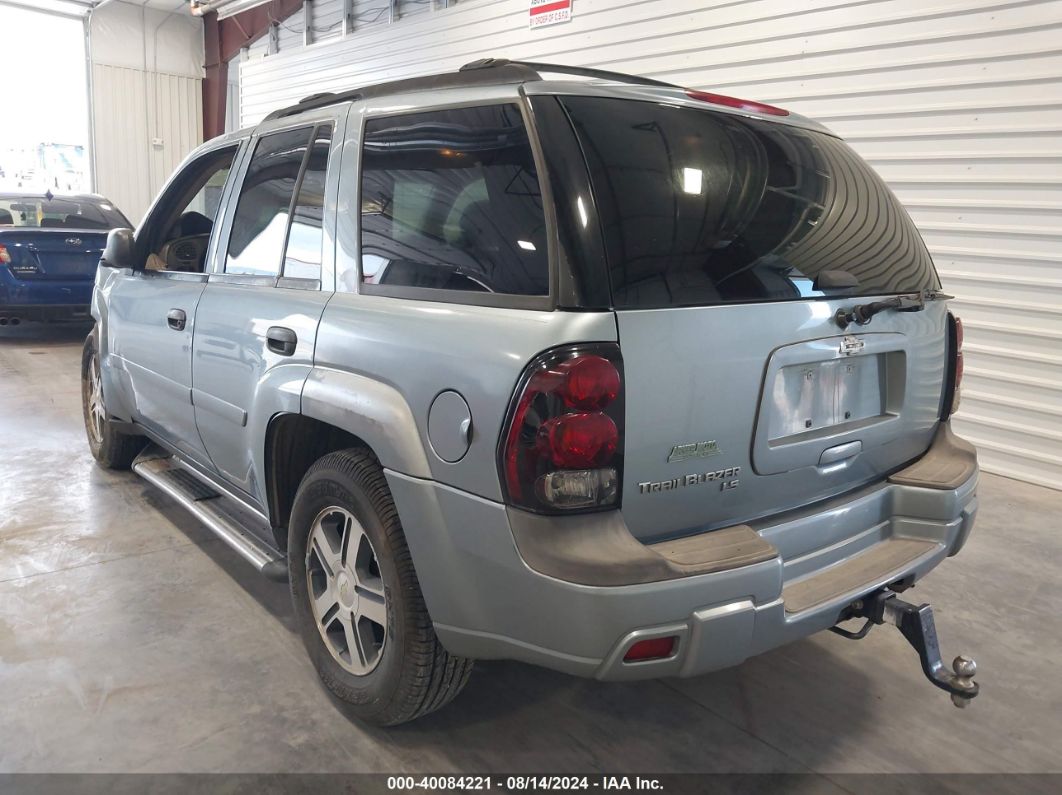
[97, 414]
[346, 590]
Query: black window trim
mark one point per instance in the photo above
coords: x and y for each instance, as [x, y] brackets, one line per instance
[278, 279]
[290, 281]
[546, 302]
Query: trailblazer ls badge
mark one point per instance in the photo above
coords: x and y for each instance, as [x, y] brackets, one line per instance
[726, 478]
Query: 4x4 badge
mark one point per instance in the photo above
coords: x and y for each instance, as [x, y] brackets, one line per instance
[851, 345]
[684, 452]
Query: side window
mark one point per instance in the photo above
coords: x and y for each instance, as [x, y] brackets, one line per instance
[207, 201]
[178, 232]
[450, 200]
[260, 225]
[302, 257]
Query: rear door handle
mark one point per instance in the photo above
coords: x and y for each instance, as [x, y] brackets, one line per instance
[176, 319]
[281, 340]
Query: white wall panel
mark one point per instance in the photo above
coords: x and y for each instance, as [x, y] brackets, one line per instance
[147, 99]
[139, 37]
[957, 103]
[133, 109]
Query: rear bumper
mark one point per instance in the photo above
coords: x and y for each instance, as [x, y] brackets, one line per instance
[493, 593]
[40, 299]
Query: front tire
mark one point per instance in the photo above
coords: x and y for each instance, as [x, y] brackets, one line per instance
[111, 448]
[357, 600]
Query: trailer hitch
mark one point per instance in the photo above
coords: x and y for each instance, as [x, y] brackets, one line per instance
[915, 623]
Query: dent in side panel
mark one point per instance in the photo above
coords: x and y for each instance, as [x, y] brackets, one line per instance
[116, 384]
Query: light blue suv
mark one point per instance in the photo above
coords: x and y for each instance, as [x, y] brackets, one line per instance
[593, 372]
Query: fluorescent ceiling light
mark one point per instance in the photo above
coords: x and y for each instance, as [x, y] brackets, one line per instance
[61, 8]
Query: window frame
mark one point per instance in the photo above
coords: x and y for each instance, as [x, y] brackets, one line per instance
[547, 301]
[234, 200]
[297, 282]
[152, 217]
[332, 116]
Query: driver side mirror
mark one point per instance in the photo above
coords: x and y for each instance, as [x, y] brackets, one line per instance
[119, 250]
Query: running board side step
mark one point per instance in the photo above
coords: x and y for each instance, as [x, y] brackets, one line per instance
[209, 507]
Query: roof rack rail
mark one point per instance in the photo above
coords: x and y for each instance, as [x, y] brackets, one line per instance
[579, 71]
[486, 71]
[317, 96]
[506, 73]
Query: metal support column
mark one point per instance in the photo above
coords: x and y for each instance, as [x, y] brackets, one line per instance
[348, 17]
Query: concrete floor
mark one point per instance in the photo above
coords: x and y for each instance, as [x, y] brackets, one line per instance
[131, 640]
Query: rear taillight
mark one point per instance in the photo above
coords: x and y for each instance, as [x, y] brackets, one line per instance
[562, 449]
[22, 267]
[734, 102]
[955, 366]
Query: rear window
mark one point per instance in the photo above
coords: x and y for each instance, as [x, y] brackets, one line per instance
[450, 200]
[44, 213]
[700, 208]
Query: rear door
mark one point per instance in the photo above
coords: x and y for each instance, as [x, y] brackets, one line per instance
[256, 323]
[729, 242]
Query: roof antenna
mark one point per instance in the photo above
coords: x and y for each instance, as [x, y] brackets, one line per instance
[49, 195]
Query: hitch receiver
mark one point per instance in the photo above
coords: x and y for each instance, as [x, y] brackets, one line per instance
[915, 623]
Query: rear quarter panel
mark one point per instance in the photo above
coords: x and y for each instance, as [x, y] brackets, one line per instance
[421, 348]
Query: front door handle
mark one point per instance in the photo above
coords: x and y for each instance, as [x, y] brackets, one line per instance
[281, 340]
[176, 319]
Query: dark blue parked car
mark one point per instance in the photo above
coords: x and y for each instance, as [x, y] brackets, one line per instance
[49, 249]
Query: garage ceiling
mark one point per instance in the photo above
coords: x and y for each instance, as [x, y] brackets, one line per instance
[79, 8]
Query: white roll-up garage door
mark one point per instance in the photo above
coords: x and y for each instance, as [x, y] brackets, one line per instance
[957, 103]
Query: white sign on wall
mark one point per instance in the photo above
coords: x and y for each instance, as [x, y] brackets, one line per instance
[550, 12]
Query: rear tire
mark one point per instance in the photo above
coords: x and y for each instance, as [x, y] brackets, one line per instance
[111, 448]
[357, 600]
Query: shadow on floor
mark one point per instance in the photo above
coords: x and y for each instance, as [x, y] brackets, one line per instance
[30, 333]
[512, 714]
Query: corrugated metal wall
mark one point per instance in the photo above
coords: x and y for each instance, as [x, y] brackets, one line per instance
[326, 21]
[131, 110]
[957, 103]
[147, 99]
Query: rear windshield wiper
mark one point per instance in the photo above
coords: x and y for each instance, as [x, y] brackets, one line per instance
[861, 314]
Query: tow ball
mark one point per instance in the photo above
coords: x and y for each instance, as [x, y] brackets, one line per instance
[915, 623]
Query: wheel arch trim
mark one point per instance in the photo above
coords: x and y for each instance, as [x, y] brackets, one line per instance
[371, 410]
